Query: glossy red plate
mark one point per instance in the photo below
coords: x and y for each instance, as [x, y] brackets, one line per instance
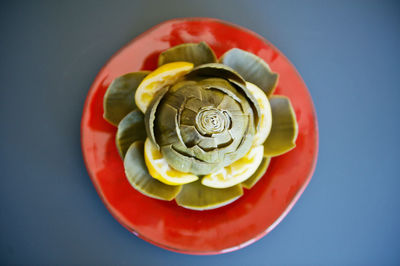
[165, 224]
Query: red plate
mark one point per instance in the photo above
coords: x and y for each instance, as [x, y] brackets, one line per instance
[165, 224]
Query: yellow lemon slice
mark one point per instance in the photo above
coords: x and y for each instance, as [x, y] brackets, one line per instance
[236, 172]
[160, 169]
[163, 76]
[266, 115]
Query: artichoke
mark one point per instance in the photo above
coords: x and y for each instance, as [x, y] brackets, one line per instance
[198, 129]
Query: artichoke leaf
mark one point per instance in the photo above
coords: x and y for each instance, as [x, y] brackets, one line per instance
[130, 129]
[194, 104]
[166, 125]
[220, 85]
[222, 139]
[190, 136]
[240, 125]
[206, 156]
[284, 129]
[139, 177]
[228, 104]
[187, 89]
[243, 147]
[261, 170]
[215, 70]
[184, 163]
[119, 98]
[252, 100]
[188, 117]
[150, 115]
[196, 53]
[195, 196]
[208, 143]
[252, 68]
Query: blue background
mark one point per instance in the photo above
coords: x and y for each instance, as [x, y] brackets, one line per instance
[347, 53]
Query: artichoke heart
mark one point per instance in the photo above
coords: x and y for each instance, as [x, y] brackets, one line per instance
[202, 124]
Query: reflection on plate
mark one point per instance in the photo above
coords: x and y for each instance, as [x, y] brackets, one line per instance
[165, 224]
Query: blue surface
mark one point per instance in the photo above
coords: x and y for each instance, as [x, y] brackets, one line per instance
[347, 53]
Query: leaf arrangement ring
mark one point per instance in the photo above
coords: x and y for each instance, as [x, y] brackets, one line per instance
[210, 121]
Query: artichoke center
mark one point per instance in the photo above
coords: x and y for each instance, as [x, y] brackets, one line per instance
[210, 120]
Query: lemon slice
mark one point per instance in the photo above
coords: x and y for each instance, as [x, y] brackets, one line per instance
[163, 76]
[236, 172]
[266, 115]
[160, 169]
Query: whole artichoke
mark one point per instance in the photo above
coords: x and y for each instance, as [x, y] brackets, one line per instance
[211, 127]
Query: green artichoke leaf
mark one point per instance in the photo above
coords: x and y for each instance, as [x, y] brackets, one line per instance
[222, 139]
[261, 170]
[195, 196]
[218, 84]
[187, 164]
[194, 104]
[252, 100]
[119, 98]
[190, 136]
[166, 125]
[230, 105]
[196, 53]
[187, 89]
[208, 144]
[244, 145]
[206, 156]
[252, 68]
[139, 177]
[188, 117]
[150, 115]
[238, 131]
[130, 129]
[284, 130]
[215, 70]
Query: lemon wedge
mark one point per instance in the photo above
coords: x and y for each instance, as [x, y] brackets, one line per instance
[236, 172]
[160, 169]
[266, 114]
[163, 76]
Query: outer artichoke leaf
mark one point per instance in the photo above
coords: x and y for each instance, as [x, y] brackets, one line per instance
[150, 115]
[196, 53]
[252, 68]
[284, 129]
[215, 70]
[130, 129]
[195, 196]
[139, 177]
[119, 98]
[261, 170]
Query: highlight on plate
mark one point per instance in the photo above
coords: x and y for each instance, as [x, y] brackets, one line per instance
[199, 129]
